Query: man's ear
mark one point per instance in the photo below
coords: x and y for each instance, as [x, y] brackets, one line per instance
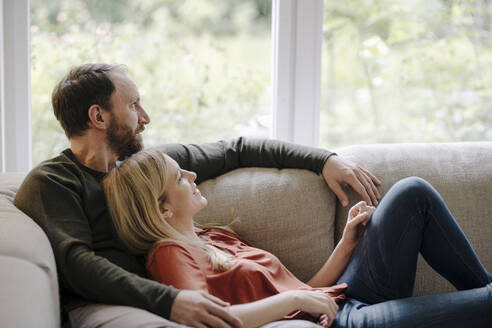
[98, 117]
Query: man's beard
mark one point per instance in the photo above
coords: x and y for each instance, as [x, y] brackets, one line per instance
[122, 140]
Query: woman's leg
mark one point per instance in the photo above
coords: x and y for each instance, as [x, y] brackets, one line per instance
[411, 218]
[466, 308]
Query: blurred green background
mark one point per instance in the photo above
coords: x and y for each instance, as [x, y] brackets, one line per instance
[392, 71]
[202, 67]
[406, 71]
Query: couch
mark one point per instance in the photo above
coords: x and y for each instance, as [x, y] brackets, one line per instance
[291, 213]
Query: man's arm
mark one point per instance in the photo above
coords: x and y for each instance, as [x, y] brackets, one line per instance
[213, 159]
[58, 209]
[54, 203]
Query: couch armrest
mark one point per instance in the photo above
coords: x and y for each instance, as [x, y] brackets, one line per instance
[28, 280]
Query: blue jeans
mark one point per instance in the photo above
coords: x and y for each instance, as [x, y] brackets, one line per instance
[413, 218]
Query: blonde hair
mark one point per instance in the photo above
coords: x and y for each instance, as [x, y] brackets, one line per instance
[133, 192]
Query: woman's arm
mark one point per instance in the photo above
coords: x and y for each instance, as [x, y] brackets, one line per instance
[333, 267]
[173, 263]
[275, 307]
[357, 220]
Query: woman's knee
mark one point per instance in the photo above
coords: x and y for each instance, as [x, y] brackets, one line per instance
[414, 186]
[415, 182]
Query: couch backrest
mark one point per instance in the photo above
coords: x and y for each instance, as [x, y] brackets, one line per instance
[287, 212]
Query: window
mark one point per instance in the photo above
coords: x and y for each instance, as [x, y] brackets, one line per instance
[391, 71]
[406, 71]
[202, 67]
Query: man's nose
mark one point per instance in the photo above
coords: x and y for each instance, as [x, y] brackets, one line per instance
[143, 118]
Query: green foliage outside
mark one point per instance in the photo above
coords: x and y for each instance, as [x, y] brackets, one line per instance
[202, 67]
[406, 71]
[393, 71]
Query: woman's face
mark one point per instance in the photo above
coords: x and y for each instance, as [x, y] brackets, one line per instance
[183, 199]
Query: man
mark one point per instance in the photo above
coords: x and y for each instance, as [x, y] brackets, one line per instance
[101, 283]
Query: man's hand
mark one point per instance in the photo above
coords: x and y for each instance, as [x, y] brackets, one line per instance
[199, 309]
[338, 170]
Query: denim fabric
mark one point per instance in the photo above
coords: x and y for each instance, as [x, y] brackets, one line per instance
[413, 218]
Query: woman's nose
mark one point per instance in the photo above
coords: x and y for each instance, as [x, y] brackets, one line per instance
[191, 175]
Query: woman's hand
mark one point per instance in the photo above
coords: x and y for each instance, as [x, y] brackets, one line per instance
[258, 313]
[358, 217]
[317, 303]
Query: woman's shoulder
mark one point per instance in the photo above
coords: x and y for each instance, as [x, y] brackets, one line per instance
[169, 248]
[177, 263]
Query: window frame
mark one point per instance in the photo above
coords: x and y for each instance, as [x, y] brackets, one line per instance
[297, 33]
[296, 77]
[15, 87]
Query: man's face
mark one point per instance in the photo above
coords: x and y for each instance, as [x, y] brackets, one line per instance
[127, 119]
[122, 139]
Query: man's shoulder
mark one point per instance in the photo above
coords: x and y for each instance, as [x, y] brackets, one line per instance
[51, 173]
[59, 166]
[49, 179]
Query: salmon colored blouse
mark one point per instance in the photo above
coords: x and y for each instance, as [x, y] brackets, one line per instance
[255, 274]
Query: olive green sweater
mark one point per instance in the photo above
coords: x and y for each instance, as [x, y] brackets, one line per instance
[66, 199]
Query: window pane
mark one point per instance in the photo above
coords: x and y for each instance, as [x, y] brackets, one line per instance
[406, 71]
[202, 67]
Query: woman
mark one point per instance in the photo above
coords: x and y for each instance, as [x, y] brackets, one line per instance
[152, 202]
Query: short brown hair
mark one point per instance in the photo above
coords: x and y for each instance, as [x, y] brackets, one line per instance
[82, 87]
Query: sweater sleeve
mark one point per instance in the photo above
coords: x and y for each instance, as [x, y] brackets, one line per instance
[184, 273]
[53, 202]
[214, 159]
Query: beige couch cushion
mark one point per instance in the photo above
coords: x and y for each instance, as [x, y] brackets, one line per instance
[25, 290]
[28, 275]
[10, 183]
[461, 173]
[287, 212]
